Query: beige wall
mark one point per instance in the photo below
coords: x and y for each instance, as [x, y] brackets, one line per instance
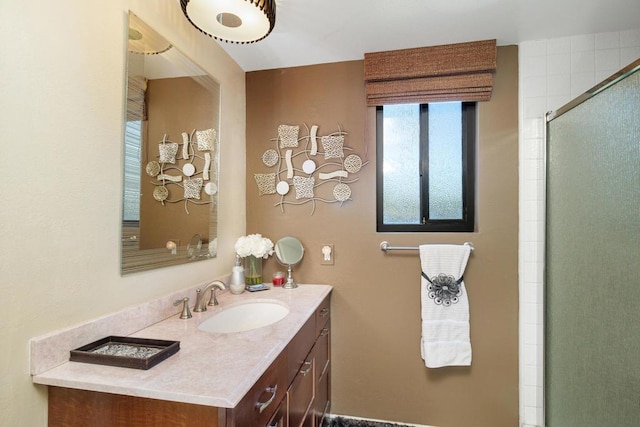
[377, 369]
[61, 114]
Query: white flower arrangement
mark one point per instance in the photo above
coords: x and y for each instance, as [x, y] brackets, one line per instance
[254, 244]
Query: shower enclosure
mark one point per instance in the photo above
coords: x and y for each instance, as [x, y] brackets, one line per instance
[592, 283]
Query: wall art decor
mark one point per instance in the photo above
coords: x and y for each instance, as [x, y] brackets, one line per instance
[308, 169]
[187, 169]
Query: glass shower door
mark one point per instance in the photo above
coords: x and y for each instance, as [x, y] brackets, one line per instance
[592, 283]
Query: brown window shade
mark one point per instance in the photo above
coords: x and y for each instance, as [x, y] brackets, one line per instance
[455, 72]
[136, 108]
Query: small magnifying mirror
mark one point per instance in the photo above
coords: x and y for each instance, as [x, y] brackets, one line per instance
[194, 246]
[289, 252]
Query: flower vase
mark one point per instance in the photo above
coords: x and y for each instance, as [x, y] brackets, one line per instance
[252, 270]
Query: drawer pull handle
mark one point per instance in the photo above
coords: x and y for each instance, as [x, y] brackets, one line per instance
[324, 312]
[324, 332]
[306, 371]
[261, 406]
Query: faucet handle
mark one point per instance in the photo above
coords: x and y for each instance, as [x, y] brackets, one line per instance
[186, 314]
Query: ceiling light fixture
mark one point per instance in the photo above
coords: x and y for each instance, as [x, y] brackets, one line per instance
[143, 39]
[234, 21]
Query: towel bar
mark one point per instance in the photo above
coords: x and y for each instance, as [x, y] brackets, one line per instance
[384, 247]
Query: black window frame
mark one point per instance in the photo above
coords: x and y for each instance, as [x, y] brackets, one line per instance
[469, 131]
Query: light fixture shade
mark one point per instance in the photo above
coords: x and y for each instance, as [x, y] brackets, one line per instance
[234, 21]
[144, 39]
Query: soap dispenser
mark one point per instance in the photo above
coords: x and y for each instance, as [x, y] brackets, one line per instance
[237, 284]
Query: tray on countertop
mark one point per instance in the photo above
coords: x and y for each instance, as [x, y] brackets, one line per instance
[125, 352]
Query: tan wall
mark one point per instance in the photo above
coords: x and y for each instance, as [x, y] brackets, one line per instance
[174, 106]
[61, 117]
[377, 369]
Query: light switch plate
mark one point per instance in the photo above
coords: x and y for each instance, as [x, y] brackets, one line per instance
[327, 254]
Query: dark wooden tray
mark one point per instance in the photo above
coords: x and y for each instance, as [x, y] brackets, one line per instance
[125, 352]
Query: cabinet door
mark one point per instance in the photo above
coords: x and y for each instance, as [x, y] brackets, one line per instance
[322, 402]
[322, 352]
[82, 408]
[309, 421]
[280, 418]
[301, 393]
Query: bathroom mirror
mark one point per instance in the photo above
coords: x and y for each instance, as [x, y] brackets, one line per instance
[171, 155]
[289, 252]
[194, 247]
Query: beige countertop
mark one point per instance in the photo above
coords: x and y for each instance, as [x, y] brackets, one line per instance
[211, 368]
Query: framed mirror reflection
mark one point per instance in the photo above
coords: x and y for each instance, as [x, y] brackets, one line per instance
[171, 155]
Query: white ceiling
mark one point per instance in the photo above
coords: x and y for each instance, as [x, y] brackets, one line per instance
[321, 31]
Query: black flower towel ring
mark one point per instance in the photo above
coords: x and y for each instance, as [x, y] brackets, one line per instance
[443, 289]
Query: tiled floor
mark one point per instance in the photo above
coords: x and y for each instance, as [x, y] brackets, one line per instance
[343, 422]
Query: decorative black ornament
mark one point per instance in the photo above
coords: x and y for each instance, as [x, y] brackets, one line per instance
[443, 289]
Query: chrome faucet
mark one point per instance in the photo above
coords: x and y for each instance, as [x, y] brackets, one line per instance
[201, 304]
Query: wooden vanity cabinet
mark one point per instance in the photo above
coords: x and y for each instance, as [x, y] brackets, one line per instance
[294, 391]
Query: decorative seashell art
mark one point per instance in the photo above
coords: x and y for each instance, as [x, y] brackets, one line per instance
[304, 163]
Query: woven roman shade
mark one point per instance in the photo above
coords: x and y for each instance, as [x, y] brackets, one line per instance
[136, 89]
[454, 72]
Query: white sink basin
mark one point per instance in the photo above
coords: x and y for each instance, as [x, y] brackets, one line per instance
[244, 317]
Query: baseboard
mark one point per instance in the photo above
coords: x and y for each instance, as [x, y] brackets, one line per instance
[369, 421]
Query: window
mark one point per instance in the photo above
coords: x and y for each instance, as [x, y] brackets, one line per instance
[132, 161]
[426, 167]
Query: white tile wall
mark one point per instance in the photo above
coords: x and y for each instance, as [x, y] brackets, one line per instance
[552, 73]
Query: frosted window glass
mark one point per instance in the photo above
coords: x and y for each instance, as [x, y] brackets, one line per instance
[401, 164]
[426, 167]
[445, 160]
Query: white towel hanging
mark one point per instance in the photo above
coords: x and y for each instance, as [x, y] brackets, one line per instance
[445, 306]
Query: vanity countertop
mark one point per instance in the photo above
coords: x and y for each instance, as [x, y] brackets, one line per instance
[210, 369]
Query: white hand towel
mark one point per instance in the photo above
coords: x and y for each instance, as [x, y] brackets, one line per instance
[445, 306]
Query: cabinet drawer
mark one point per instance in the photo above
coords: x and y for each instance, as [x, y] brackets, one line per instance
[299, 348]
[322, 350]
[323, 313]
[262, 400]
[301, 394]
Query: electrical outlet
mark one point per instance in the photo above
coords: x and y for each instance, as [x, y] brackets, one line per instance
[327, 254]
[172, 246]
